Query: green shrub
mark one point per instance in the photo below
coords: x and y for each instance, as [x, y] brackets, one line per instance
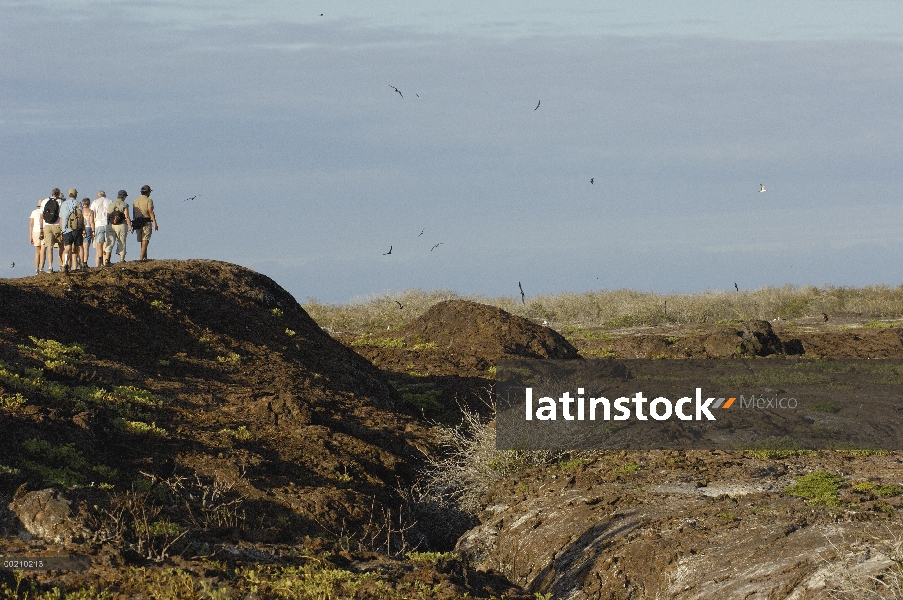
[161, 306]
[819, 488]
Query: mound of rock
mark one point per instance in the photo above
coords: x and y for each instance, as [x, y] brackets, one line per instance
[204, 369]
[755, 338]
[486, 333]
[179, 310]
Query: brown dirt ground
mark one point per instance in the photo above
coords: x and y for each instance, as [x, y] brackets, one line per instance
[319, 437]
[682, 524]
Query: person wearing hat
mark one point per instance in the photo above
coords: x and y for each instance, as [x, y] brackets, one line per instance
[51, 231]
[144, 218]
[120, 224]
[34, 236]
[68, 206]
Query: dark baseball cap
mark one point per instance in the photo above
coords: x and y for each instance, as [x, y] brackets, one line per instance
[122, 194]
[146, 189]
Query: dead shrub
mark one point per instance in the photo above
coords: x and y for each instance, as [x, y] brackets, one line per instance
[470, 465]
[158, 515]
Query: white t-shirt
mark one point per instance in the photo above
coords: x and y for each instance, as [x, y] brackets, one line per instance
[43, 202]
[100, 206]
[36, 220]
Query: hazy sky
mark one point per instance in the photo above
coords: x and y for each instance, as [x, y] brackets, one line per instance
[309, 166]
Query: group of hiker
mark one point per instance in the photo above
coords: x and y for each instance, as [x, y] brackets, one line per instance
[72, 226]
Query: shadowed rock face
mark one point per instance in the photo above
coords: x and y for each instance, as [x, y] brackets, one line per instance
[486, 332]
[226, 350]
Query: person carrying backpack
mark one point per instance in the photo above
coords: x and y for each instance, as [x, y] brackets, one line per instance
[51, 228]
[121, 225]
[70, 214]
[34, 236]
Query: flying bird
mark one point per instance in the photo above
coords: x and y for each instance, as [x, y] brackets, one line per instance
[762, 187]
[436, 246]
[591, 180]
[399, 305]
[523, 297]
[13, 266]
[735, 286]
[192, 198]
[825, 316]
[389, 252]
[421, 232]
[397, 90]
[537, 104]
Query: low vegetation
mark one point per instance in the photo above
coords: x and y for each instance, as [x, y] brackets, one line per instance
[623, 308]
[819, 488]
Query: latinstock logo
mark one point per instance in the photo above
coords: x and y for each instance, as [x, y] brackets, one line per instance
[602, 404]
[592, 409]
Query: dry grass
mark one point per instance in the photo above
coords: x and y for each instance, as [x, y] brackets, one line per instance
[622, 308]
[868, 570]
[470, 464]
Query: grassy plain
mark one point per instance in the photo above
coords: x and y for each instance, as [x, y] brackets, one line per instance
[627, 308]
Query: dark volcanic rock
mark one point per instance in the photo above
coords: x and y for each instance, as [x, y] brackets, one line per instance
[485, 332]
[45, 514]
[755, 338]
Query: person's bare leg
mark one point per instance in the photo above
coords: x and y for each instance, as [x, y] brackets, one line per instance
[98, 256]
[144, 249]
[38, 254]
[50, 257]
[64, 259]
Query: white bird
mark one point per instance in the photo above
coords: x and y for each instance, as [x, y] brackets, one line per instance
[762, 187]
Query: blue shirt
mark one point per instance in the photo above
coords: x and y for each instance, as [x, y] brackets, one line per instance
[66, 207]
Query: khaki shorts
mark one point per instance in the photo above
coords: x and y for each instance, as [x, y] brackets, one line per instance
[145, 232]
[53, 235]
[118, 237]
